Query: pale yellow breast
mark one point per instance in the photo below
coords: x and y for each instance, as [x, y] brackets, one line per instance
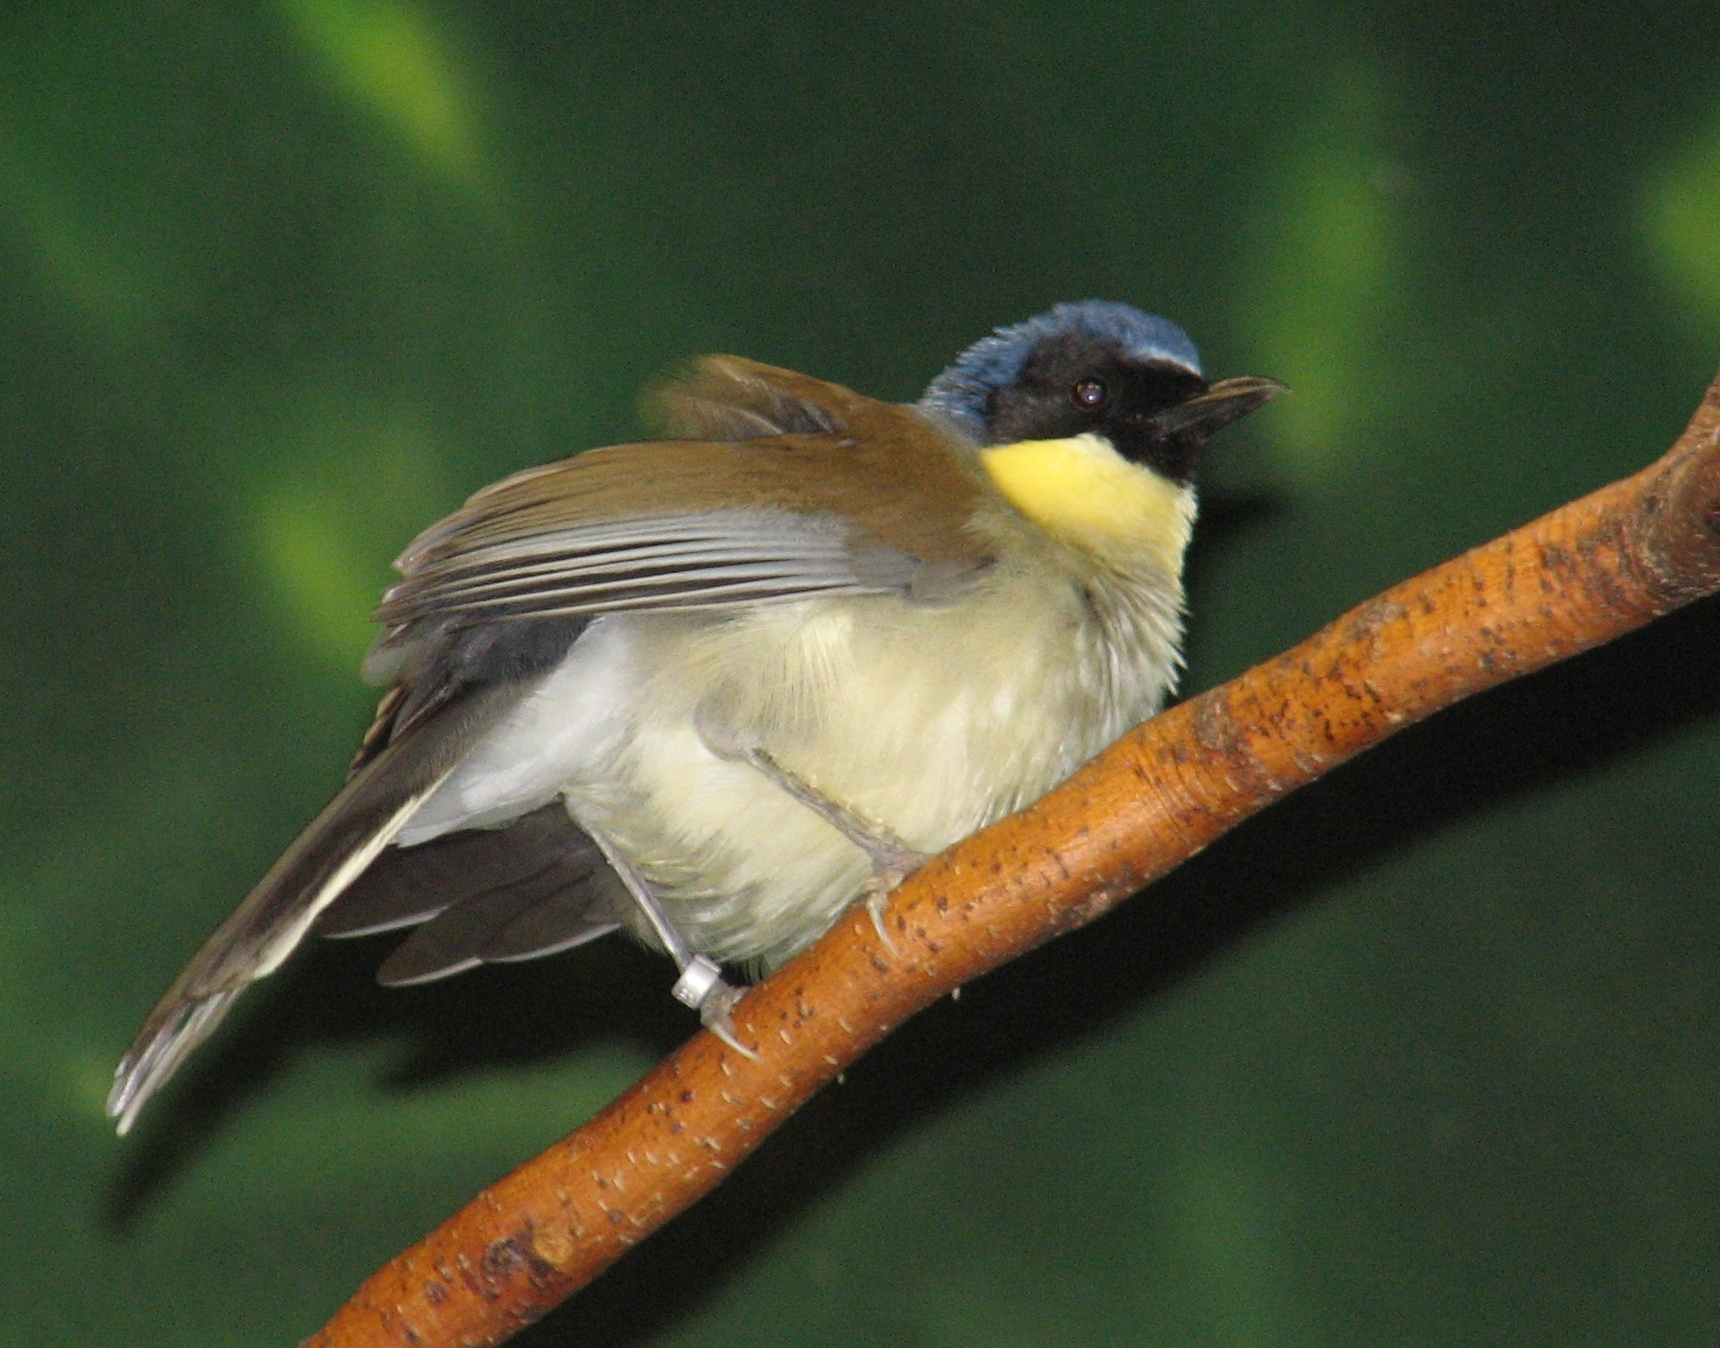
[930, 720]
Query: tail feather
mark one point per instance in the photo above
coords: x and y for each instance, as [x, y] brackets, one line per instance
[478, 931]
[528, 888]
[327, 857]
[532, 887]
[411, 885]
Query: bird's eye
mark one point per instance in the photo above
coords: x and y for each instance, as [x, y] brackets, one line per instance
[1089, 394]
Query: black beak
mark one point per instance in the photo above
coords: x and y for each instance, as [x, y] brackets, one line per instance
[1191, 424]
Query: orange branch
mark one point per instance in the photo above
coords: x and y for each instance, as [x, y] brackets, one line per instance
[1580, 576]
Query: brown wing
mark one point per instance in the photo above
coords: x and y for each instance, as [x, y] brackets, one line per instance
[730, 398]
[862, 504]
[877, 499]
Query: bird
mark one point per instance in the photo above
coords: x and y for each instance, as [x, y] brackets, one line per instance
[714, 688]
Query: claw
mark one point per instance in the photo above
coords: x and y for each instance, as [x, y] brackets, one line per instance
[887, 875]
[877, 902]
[715, 1011]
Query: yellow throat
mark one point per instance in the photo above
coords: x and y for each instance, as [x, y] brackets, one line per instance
[1090, 498]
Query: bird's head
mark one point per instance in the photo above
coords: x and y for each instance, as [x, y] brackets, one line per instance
[1095, 367]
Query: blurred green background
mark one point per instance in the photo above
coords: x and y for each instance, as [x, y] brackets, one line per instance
[1427, 1055]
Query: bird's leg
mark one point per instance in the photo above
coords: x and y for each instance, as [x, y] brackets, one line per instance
[893, 861]
[701, 984]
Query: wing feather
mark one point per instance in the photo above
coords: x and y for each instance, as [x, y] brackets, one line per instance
[791, 488]
[728, 398]
[828, 493]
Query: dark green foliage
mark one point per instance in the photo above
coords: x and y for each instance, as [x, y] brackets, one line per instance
[1425, 1056]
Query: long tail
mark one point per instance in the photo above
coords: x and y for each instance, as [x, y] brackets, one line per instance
[327, 857]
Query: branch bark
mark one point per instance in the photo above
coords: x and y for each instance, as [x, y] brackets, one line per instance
[1582, 575]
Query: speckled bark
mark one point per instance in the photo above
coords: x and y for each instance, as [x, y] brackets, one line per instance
[1573, 579]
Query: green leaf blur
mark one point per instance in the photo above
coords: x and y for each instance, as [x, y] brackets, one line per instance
[1424, 1056]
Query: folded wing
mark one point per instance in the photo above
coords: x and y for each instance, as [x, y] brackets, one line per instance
[807, 490]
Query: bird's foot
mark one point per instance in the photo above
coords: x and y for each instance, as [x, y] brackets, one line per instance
[716, 1011]
[892, 863]
[701, 984]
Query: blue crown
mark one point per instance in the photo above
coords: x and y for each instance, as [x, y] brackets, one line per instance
[960, 392]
